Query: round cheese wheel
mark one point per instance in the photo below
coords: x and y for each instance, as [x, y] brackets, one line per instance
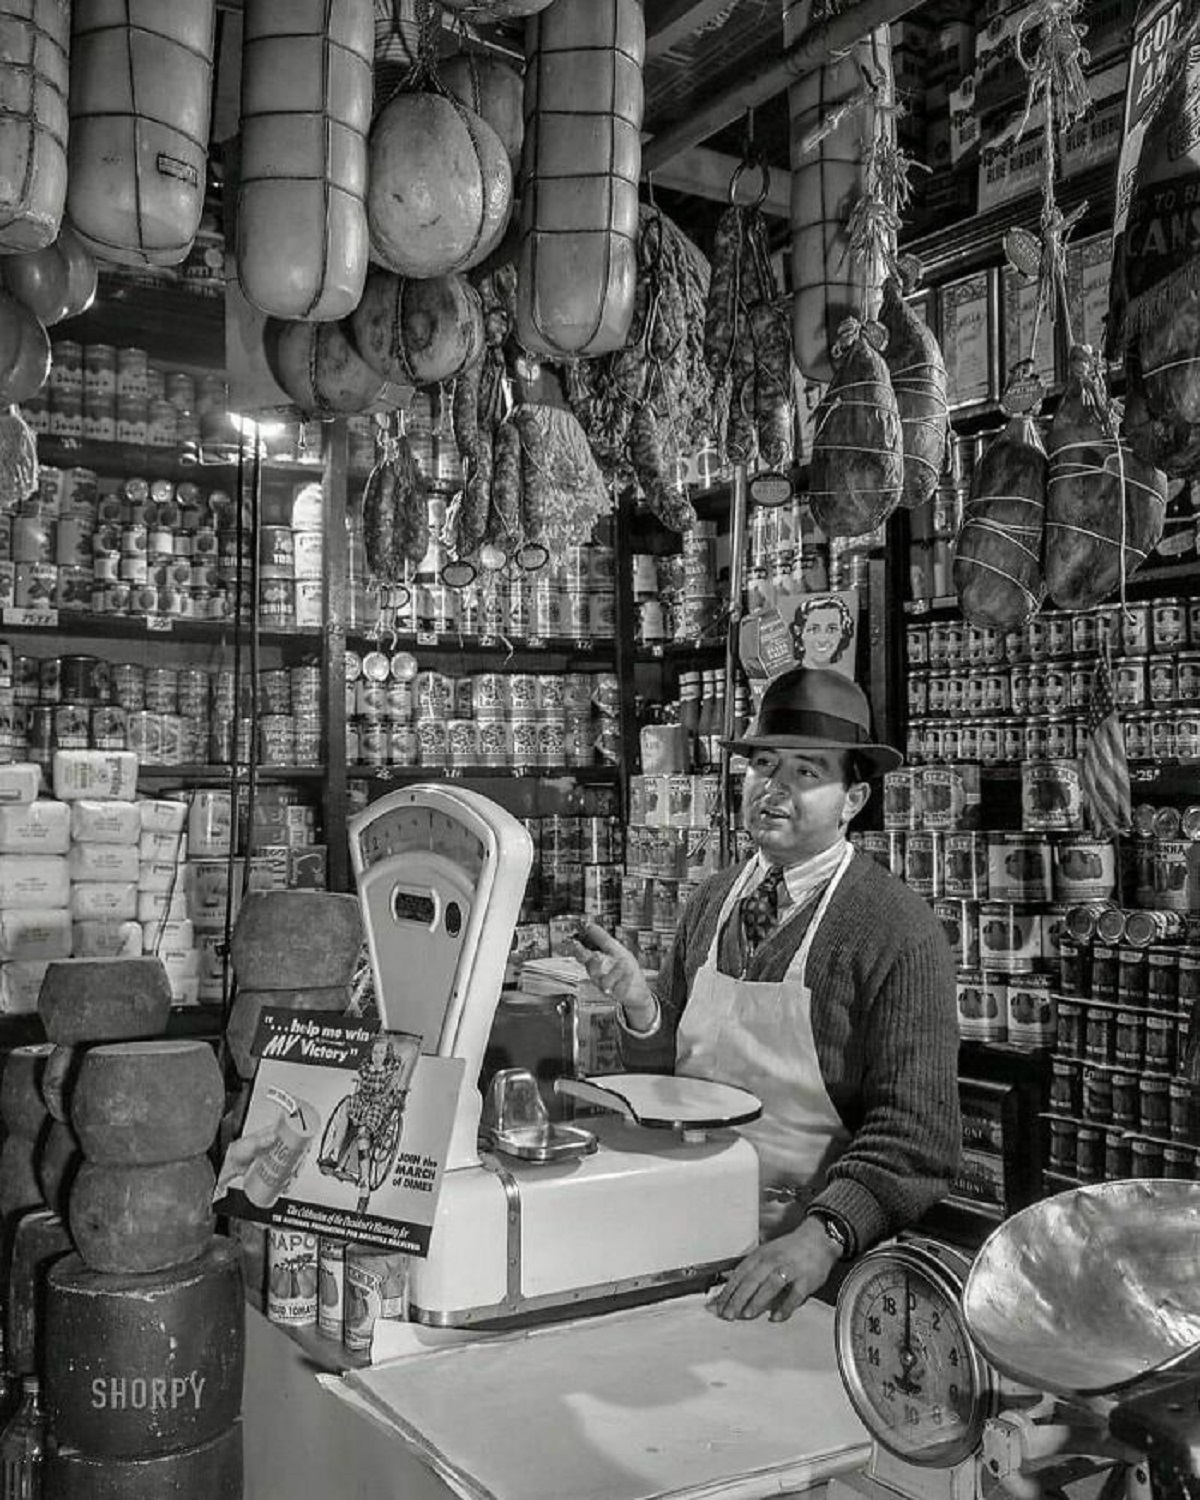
[137, 1366]
[495, 91]
[138, 1103]
[58, 1079]
[296, 940]
[22, 1108]
[104, 1000]
[140, 1219]
[320, 369]
[422, 332]
[39, 281]
[209, 1471]
[24, 352]
[39, 1240]
[19, 1186]
[56, 1163]
[81, 271]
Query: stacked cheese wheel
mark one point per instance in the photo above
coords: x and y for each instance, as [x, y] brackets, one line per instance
[142, 1348]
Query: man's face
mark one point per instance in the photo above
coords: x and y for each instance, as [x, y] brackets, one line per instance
[822, 634]
[796, 802]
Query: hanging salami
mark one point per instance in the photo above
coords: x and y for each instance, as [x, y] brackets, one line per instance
[918, 372]
[829, 175]
[302, 177]
[998, 554]
[857, 466]
[33, 126]
[579, 179]
[141, 82]
[1104, 506]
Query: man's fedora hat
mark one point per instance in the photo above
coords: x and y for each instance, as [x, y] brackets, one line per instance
[813, 708]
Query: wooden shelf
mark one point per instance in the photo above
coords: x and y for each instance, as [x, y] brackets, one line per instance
[224, 774]
[132, 460]
[1150, 577]
[682, 651]
[151, 311]
[146, 627]
[528, 652]
[481, 774]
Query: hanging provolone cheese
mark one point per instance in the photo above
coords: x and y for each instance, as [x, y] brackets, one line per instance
[33, 125]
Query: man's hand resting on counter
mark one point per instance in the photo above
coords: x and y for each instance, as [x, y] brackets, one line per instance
[616, 973]
[778, 1276]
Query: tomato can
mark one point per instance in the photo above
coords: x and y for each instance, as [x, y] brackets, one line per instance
[1129, 682]
[376, 1286]
[1051, 795]
[1085, 869]
[1031, 1010]
[1168, 624]
[1010, 936]
[960, 922]
[1019, 867]
[923, 863]
[291, 1277]
[965, 865]
[902, 799]
[331, 1286]
[982, 1006]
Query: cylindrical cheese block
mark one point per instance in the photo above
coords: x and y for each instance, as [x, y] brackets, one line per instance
[57, 1162]
[104, 1000]
[582, 159]
[139, 1103]
[19, 1186]
[141, 84]
[58, 1080]
[22, 1107]
[295, 940]
[302, 178]
[33, 126]
[39, 1240]
[210, 1471]
[138, 1366]
[140, 1219]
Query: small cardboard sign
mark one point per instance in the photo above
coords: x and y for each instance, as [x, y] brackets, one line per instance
[800, 630]
[346, 1133]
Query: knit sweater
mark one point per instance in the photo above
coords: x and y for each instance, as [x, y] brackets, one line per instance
[885, 1027]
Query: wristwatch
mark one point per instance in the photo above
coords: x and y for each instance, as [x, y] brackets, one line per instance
[835, 1231]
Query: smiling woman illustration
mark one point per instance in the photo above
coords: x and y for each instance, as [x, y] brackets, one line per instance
[822, 630]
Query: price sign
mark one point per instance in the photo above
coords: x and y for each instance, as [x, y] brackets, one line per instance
[427, 638]
[33, 619]
[161, 624]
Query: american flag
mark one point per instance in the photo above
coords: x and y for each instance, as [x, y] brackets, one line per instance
[1105, 771]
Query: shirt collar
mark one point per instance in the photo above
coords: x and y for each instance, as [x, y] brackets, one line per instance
[801, 880]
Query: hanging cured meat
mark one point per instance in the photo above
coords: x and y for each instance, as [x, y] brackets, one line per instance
[1104, 506]
[35, 37]
[493, 90]
[55, 283]
[918, 371]
[141, 82]
[440, 186]
[306, 109]
[828, 177]
[419, 332]
[998, 554]
[579, 179]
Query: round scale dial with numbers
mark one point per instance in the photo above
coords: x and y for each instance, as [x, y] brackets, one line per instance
[398, 828]
[910, 1369]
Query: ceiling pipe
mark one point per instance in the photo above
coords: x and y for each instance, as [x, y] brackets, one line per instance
[818, 45]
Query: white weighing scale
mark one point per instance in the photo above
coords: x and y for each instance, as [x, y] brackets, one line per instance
[538, 1220]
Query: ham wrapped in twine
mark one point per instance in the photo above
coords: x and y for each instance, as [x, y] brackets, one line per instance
[998, 554]
[1105, 505]
[857, 467]
[918, 371]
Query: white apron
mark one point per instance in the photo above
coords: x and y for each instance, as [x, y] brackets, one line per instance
[759, 1036]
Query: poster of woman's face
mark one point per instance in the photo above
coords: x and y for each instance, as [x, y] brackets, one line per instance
[823, 631]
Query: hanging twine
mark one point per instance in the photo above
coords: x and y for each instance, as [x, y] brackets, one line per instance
[875, 220]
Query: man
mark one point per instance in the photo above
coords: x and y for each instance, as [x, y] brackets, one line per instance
[815, 979]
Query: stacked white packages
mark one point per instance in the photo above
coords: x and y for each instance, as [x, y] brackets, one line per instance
[162, 899]
[35, 887]
[104, 870]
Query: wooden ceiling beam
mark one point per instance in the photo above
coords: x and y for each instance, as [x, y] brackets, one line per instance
[772, 77]
[675, 20]
[706, 174]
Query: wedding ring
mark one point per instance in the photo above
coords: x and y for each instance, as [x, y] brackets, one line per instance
[781, 1273]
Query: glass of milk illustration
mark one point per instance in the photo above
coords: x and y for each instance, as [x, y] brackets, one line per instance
[276, 1166]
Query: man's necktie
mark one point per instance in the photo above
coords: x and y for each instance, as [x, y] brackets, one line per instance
[760, 909]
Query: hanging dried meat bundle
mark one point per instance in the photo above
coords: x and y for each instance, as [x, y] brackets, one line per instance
[660, 369]
[1171, 446]
[1104, 506]
[857, 467]
[748, 342]
[395, 514]
[998, 554]
[918, 371]
[563, 493]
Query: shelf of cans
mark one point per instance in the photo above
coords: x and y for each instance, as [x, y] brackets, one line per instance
[569, 601]
[114, 547]
[676, 594]
[168, 715]
[789, 553]
[671, 844]
[1006, 897]
[398, 714]
[977, 694]
[574, 856]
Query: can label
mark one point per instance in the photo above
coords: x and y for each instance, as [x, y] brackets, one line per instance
[1051, 795]
[1031, 1019]
[981, 1006]
[291, 1277]
[942, 796]
[1010, 937]
[965, 865]
[923, 863]
[901, 799]
[1018, 867]
[376, 1287]
[960, 922]
[1084, 870]
[331, 1286]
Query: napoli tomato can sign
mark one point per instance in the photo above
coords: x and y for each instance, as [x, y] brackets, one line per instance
[291, 1277]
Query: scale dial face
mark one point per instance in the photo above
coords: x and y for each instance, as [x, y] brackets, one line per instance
[909, 1366]
[401, 828]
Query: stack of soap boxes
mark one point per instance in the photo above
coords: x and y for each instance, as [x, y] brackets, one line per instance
[89, 872]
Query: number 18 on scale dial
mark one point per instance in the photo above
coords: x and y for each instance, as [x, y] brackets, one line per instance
[909, 1366]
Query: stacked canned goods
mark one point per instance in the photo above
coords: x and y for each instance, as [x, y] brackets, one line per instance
[169, 715]
[1120, 1098]
[672, 843]
[788, 553]
[398, 714]
[99, 393]
[983, 695]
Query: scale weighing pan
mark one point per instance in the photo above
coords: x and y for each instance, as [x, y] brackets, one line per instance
[666, 1101]
[1090, 1291]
